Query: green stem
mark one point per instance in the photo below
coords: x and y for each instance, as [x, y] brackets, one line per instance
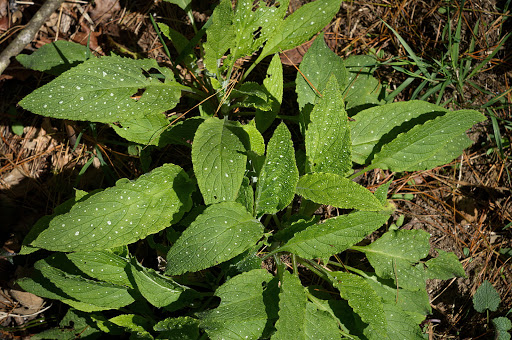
[359, 173]
[312, 266]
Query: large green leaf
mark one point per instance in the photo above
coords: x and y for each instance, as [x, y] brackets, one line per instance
[300, 26]
[486, 297]
[101, 294]
[55, 58]
[273, 83]
[400, 325]
[396, 255]
[221, 232]
[328, 145]
[317, 66]
[145, 130]
[159, 290]
[219, 157]
[434, 143]
[334, 235]
[292, 309]
[279, 175]
[123, 214]
[242, 311]
[102, 265]
[340, 192]
[376, 126]
[445, 266]
[415, 303]
[363, 300]
[182, 328]
[101, 90]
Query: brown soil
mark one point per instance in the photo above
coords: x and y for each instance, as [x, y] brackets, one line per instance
[466, 205]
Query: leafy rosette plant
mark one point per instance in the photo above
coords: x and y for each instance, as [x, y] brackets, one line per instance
[246, 199]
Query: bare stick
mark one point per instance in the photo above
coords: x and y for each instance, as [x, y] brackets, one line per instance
[28, 33]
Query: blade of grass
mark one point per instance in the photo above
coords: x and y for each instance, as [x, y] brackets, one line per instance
[490, 56]
[496, 132]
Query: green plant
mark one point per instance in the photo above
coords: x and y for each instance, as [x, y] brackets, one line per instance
[245, 200]
[487, 299]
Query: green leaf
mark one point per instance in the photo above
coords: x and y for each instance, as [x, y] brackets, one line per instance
[340, 192]
[279, 175]
[486, 297]
[101, 90]
[363, 300]
[182, 328]
[73, 325]
[220, 233]
[395, 256]
[415, 303]
[320, 324]
[300, 26]
[123, 214]
[382, 192]
[252, 95]
[362, 89]
[434, 143]
[334, 235]
[219, 158]
[328, 145]
[55, 58]
[256, 141]
[159, 290]
[134, 323]
[400, 325]
[445, 266]
[374, 127]
[317, 67]
[242, 311]
[102, 265]
[183, 4]
[273, 83]
[246, 196]
[145, 130]
[101, 294]
[292, 309]
[502, 326]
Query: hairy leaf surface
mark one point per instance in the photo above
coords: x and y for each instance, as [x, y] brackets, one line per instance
[279, 175]
[434, 143]
[445, 266]
[395, 256]
[363, 300]
[334, 235]
[145, 130]
[362, 89]
[242, 312]
[273, 83]
[328, 145]
[221, 232]
[340, 192]
[219, 158]
[102, 90]
[122, 214]
[292, 309]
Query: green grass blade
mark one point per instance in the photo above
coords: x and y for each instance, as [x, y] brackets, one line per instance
[490, 56]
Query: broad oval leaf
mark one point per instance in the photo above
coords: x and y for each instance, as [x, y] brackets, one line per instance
[328, 145]
[434, 143]
[486, 297]
[279, 175]
[101, 294]
[242, 312]
[395, 255]
[374, 127]
[101, 90]
[317, 66]
[340, 192]
[219, 159]
[363, 300]
[334, 235]
[102, 265]
[220, 233]
[122, 214]
[445, 266]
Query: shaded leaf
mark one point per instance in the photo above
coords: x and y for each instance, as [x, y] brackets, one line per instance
[234, 319]
[486, 297]
[363, 90]
[292, 309]
[445, 266]
[273, 83]
[180, 328]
